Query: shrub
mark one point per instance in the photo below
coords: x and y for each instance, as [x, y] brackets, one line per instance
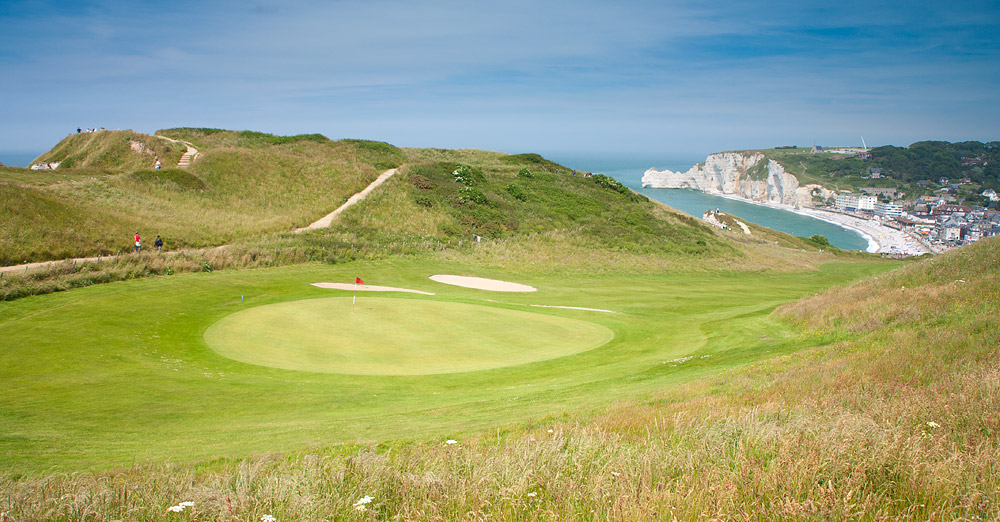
[250, 138]
[613, 184]
[424, 201]
[515, 190]
[474, 195]
[421, 182]
[468, 175]
[819, 240]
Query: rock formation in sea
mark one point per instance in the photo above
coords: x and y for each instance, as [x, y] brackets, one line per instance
[742, 174]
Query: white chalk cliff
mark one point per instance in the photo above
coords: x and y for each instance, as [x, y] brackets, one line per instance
[728, 173]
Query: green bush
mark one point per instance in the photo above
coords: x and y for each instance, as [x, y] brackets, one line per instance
[515, 190]
[819, 240]
[524, 173]
[612, 184]
[250, 138]
[468, 175]
[466, 194]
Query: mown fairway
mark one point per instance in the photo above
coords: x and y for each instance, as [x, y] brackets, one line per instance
[121, 373]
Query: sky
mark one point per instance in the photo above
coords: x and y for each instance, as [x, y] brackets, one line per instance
[555, 77]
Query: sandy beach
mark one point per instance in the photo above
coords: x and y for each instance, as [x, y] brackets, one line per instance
[881, 239]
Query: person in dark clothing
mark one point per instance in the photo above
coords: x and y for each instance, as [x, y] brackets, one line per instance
[158, 243]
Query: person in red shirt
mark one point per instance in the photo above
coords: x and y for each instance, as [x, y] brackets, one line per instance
[138, 243]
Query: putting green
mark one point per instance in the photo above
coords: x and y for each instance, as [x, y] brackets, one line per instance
[385, 336]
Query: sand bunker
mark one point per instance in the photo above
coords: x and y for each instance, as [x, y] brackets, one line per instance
[368, 288]
[576, 308]
[480, 283]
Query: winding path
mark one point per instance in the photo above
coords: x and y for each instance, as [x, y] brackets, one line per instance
[327, 220]
[189, 155]
[323, 222]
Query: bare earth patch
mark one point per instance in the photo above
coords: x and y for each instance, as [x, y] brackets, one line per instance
[368, 288]
[480, 283]
[576, 308]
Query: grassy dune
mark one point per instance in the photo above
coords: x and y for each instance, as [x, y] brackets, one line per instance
[116, 150]
[249, 190]
[229, 193]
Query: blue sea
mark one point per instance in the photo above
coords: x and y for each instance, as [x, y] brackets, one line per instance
[628, 170]
[18, 158]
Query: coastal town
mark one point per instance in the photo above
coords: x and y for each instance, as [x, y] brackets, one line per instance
[935, 222]
[896, 226]
[929, 197]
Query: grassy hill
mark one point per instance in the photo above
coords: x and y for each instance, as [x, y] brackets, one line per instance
[230, 192]
[720, 375]
[248, 190]
[901, 168]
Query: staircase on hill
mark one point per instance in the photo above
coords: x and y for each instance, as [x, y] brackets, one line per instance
[187, 157]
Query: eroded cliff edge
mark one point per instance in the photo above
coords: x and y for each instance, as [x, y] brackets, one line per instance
[743, 174]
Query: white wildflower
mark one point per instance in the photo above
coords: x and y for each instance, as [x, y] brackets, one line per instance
[175, 509]
[267, 518]
[932, 424]
[186, 503]
[367, 499]
[550, 430]
[362, 507]
[451, 441]
[533, 494]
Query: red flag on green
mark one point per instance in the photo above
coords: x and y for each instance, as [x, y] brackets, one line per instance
[358, 281]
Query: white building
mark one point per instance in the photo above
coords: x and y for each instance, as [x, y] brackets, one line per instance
[888, 209]
[845, 201]
[855, 202]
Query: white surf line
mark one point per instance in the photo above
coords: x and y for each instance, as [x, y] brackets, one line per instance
[327, 220]
[576, 308]
[481, 283]
[368, 288]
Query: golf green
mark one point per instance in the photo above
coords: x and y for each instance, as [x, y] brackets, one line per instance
[385, 336]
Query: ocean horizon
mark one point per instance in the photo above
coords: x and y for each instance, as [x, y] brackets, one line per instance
[18, 158]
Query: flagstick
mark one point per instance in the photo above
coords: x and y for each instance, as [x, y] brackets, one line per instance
[355, 296]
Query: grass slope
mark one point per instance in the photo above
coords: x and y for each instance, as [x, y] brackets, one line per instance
[115, 150]
[882, 408]
[118, 373]
[248, 190]
[243, 185]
